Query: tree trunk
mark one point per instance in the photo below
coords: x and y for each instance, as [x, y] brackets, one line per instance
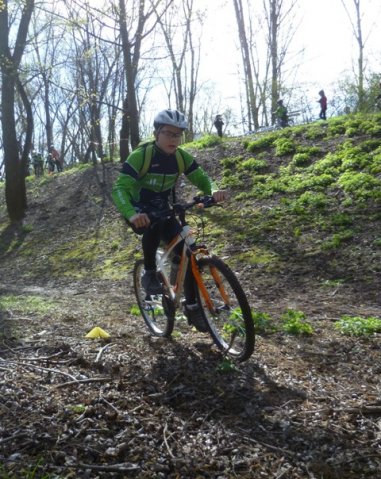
[29, 129]
[132, 116]
[15, 190]
[124, 133]
[273, 34]
[245, 51]
[357, 31]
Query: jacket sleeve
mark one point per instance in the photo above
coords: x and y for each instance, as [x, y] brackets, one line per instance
[122, 194]
[126, 187]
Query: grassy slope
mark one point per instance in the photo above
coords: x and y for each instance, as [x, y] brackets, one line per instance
[309, 202]
[305, 208]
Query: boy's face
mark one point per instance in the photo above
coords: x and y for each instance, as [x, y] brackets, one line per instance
[168, 138]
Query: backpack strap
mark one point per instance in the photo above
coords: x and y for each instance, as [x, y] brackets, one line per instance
[148, 153]
[180, 162]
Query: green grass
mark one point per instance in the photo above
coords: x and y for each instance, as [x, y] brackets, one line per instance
[27, 304]
[294, 322]
[226, 366]
[206, 141]
[134, 310]
[358, 326]
[263, 322]
[310, 197]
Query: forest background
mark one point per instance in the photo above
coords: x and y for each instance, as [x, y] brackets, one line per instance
[88, 77]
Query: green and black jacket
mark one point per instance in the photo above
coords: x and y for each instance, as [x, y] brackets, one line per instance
[157, 183]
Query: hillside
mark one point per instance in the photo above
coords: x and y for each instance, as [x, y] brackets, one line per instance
[302, 230]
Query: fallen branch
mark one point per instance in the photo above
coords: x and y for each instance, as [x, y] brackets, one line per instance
[40, 368]
[101, 351]
[282, 474]
[81, 381]
[166, 442]
[255, 441]
[349, 410]
[113, 468]
[110, 405]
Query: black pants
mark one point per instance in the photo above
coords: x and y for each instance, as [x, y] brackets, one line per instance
[165, 231]
[58, 165]
[152, 236]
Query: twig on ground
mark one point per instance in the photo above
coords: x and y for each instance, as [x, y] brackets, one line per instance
[40, 368]
[166, 442]
[283, 473]
[111, 405]
[284, 451]
[113, 468]
[349, 410]
[81, 381]
[101, 351]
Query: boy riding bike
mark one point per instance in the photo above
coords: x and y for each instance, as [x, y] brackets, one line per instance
[136, 195]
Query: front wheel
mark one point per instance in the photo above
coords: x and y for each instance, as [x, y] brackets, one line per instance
[226, 309]
[157, 310]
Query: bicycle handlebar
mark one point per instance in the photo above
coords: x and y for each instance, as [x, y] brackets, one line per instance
[205, 201]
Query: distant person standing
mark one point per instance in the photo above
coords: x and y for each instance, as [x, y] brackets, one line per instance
[378, 97]
[50, 165]
[38, 163]
[323, 105]
[218, 123]
[281, 114]
[56, 158]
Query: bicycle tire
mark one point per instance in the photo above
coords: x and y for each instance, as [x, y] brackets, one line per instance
[231, 325]
[157, 310]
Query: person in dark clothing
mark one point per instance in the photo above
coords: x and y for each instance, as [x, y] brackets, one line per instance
[378, 97]
[281, 114]
[50, 164]
[218, 123]
[38, 163]
[323, 105]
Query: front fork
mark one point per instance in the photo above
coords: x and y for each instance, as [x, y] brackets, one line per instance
[200, 283]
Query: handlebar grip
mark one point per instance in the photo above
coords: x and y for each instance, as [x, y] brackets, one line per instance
[206, 200]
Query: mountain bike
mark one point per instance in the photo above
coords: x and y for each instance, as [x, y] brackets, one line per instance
[224, 304]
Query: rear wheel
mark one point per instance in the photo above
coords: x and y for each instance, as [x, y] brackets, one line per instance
[157, 310]
[228, 314]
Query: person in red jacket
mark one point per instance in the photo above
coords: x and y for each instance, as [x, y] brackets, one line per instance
[56, 158]
[323, 105]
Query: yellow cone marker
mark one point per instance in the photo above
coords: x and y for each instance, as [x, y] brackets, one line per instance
[97, 332]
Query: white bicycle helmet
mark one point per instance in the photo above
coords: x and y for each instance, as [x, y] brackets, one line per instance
[170, 117]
